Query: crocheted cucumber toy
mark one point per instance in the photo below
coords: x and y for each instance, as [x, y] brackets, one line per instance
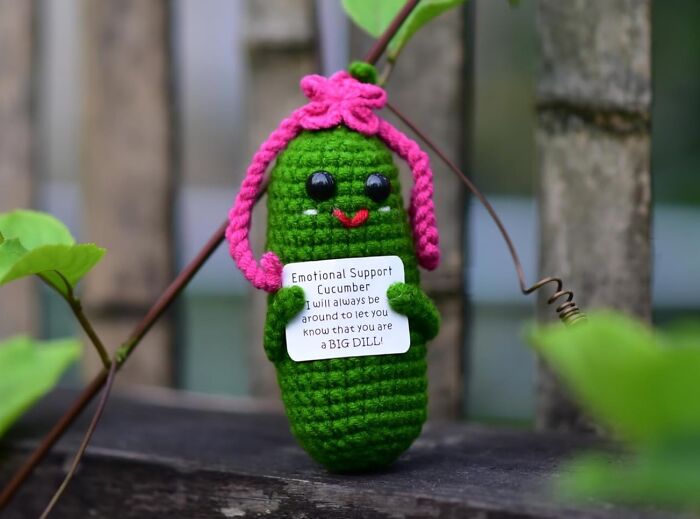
[334, 193]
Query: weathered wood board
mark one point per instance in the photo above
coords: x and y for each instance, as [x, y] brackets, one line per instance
[149, 460]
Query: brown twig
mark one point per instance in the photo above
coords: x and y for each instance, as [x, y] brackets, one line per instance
[160, 306]
[381, 44]
[568, 312]
[52, 437]
[470, 185]
[91, 390]
[171, 293]
[86, 440]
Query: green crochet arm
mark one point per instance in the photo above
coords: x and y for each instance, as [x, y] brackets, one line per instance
[284, 306]
[411, 301]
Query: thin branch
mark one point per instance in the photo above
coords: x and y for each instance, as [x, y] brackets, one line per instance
[470, 185]
[568, 311]
[122, 354]
[386, 72]
[381, 44]
[51, 438]
[171, 293]
[90, 391]
[86, 440]
[47, 281]
[77, 308]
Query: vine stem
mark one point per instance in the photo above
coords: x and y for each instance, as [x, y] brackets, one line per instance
[86, 440]
[568, 311]
[386, 72]
[474, 190]
[76, 307]
[383, 42]
[103, 378]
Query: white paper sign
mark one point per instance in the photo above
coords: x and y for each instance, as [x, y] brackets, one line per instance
[347, 313]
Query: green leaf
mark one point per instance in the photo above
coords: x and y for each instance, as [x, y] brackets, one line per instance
[642, 384]
[28, 370]
[421, 15]
[33, 229]
[55, 263]
[39, 244]
[11, 251]
[375, 17]
[657, 477]
[372, 16]
[682, 334]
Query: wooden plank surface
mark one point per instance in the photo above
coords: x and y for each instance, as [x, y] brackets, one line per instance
[227, 460]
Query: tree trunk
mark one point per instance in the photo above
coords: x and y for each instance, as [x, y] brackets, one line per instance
[428, 84]
[281, 51]
[20, 310]
[129, 174]
[593, 104]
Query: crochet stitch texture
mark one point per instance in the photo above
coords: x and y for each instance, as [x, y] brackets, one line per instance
[340, 99]
[357, 413]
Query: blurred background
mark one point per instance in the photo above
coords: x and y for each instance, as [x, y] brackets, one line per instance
[197, 85]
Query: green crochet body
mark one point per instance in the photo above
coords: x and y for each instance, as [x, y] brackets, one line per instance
[359, 413]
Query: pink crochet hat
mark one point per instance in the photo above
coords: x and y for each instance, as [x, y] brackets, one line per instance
[340, 99]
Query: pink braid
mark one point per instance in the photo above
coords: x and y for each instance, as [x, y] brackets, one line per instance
[340, 99]
[421, 210]
[267, 275]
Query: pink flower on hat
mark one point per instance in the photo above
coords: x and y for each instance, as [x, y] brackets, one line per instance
[340, 99]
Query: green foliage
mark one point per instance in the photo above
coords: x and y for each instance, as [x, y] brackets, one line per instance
[374, 17]
[644, 385]
[423, 13]
[636, 381]
[651, 477]
[28, 370]
[34, 228]
[38, 244]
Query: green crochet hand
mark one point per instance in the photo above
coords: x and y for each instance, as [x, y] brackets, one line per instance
[283, 307]
[411, 301]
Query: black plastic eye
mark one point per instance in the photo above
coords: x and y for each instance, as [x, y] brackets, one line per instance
[377, 187]
[320, 186]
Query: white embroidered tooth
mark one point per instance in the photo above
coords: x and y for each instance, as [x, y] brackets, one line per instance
[311, 212]
[384, 209]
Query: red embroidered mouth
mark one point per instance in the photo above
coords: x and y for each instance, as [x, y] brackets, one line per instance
[357, 220]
